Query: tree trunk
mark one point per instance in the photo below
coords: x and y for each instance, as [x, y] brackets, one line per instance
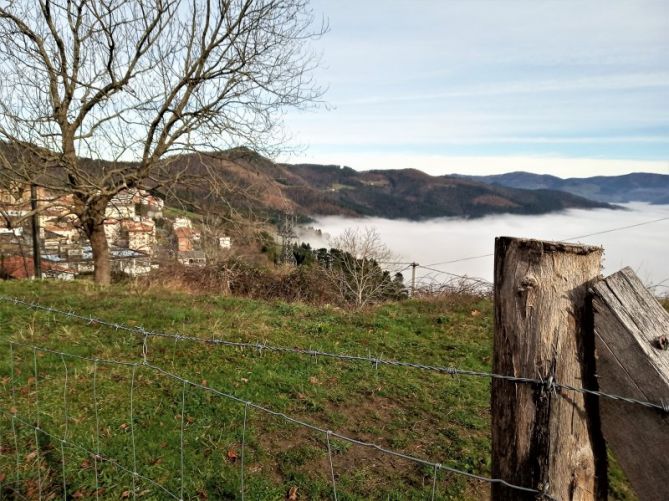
[544, 438]
[90, 210]
[92, 220]
[101, 255]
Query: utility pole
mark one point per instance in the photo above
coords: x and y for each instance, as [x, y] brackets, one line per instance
[413, 278]
[37, 257]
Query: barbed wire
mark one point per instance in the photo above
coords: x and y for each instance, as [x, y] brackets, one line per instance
[375, 361]
[134, 366]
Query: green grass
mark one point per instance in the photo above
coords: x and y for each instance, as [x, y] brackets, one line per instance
[437, 417]
[173, 212]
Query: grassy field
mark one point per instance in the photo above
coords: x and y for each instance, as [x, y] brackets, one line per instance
[433, 416]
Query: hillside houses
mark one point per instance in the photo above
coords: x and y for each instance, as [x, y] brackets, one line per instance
[139, 235]
[134, 203]
[131, 226]
[187, 241]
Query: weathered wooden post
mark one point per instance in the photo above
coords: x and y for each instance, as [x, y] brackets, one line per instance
[632, 340]
[543, 438]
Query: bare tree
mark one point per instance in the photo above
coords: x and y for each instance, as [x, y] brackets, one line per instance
[134, 83]
[356, 269]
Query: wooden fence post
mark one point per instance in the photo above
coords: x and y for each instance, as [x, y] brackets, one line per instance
[543, 438]
[632, 341]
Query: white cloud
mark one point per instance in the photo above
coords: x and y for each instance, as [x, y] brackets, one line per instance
[599, 83]
[490, 78]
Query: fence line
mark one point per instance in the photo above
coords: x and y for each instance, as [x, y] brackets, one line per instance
[550, 384]
[133, 366]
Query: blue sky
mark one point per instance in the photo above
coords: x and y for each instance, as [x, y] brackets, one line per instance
[571, 88]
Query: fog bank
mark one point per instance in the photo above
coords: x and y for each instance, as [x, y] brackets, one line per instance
[432, 242]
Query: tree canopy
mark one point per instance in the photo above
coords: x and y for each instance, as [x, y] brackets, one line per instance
[135, 82]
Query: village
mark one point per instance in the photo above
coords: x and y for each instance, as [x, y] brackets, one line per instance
[139, 234]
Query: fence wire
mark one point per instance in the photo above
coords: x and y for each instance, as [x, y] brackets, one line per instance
[135, 366]
[98, 457]
[548, 383]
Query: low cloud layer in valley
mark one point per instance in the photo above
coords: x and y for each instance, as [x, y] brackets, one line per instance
[435, 242]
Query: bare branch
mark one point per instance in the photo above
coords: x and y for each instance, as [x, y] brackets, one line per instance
[101, 92]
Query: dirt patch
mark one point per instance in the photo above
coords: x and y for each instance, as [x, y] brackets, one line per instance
[366, 468]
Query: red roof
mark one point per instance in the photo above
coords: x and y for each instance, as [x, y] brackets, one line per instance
[183, 232]
[22, 267]
[137, 226]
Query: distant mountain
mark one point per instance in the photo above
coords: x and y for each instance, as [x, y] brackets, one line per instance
[249, 183]
[636, 187]
[413, 194]
[313, 190]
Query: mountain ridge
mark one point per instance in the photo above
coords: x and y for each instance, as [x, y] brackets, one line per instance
[313, 190]
[634, 187]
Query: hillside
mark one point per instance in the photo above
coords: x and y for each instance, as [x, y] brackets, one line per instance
[313, 190]
[147, 417]
[635, 187]
[245, 180]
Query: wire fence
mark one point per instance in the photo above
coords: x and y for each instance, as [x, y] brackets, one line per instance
[549, 383]
[35, 423]
[98, 455]
[35, 412]
[134, 366]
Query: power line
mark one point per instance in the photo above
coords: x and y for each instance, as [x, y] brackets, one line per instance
[464, 277]
[610, 230]
[459, 260]
[619, 228]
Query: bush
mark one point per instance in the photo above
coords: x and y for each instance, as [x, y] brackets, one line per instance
[239, 278]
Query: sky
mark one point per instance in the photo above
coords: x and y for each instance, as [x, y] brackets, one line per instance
[569, 88]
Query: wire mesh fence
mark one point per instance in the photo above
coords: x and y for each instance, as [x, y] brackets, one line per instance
[79, 424]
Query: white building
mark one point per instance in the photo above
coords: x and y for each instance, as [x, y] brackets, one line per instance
[182, 222]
